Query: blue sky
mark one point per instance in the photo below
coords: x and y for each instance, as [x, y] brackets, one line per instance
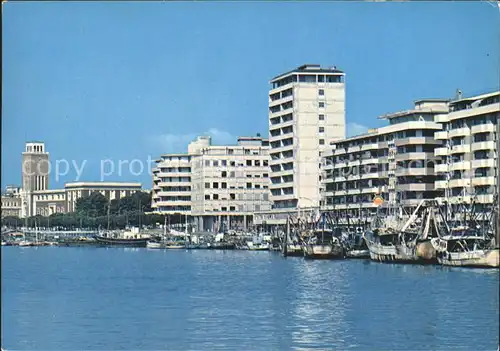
[123, 81]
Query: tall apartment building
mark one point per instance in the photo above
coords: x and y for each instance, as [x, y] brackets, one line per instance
[306, 112]
[172, 184]
[395, 162]
[469, 156]
[218, 185]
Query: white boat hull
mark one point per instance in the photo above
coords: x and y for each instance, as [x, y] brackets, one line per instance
[476, 258]
[151, 245]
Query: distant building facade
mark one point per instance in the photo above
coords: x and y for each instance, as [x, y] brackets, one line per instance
[35, 197]
[395, 163]
[469, 162]
[215, 185]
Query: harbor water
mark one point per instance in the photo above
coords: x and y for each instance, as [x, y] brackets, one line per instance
[91, 298]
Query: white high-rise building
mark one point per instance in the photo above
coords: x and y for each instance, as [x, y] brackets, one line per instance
[306, 113]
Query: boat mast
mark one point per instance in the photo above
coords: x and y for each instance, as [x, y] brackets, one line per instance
[109, 207]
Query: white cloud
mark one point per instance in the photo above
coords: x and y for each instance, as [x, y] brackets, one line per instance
[356, 129]
[177, 143]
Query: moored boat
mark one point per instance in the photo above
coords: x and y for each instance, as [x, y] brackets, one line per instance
[123, 238]
[466, 249]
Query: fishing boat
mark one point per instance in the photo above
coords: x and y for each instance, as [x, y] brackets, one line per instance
[355, 244]
[323, 243]
[131, 238]
[291, 246]
[406, 243]
[464, 247]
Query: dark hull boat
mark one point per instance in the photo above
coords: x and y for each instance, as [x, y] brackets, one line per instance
[141, 242]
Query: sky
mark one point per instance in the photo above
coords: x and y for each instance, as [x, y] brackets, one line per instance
[104, 82]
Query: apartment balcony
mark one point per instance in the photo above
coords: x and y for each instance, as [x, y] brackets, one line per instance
[489, 162]
[459, 183]
[352, 149]
[483, 128]
[483, 181]
[416, 141]
[174, 183]
[371, 175]
[370, 161]
[280, 101]
[460, 149]
[441, 184]
[172, 203]
[402, 172]
[441, 118]
[443, 135]
[340, 151]
[484, 199]
[281, 160]
[413, 156]
[281, 148]
[416, 187]
[458, 132]
[340, 164]
[174, 193]
[371, 146]
[491, 108]
[483, 145]
[461, 165]
[442, 168]
[282, 197]
[441, 151]
[174, 174]
[280, 173]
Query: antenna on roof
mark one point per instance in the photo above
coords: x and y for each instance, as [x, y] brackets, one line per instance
[458, 95]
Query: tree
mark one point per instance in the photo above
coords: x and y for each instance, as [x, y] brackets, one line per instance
[93, 205]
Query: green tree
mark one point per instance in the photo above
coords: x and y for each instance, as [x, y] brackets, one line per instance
[94, 205]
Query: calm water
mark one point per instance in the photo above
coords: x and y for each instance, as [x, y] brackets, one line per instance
[138, 299]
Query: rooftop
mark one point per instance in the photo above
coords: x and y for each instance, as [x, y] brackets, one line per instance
[309, 68]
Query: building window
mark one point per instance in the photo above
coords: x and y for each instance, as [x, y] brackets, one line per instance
[322, 141]
[232, 208]
[257, 163]
[207, 185]
[257, 186]
[223, 185]
[224, 174]
[224, 163]
[249, 185]
[232, 163]
[207, 163]
[266, 163]
[321, 92]
[223, 208]
[232, 196]
[249, 162]
[321, 117]
[321, 104]
[216, 163]
[321, 129]
[265, 175]
[215, 185]
[230, 151]
[207, 197]
[216, 196]
[231, 174]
